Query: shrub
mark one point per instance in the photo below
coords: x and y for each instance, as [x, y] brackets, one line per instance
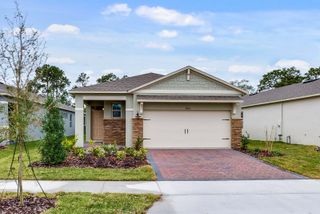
[79, 152]
[139, 143]
[91, 142]
[121, 155]
[110, 149]
[244, 142]
[52, 151]
[98, 152]
[140, 154]
[129, 151]
[69, 143]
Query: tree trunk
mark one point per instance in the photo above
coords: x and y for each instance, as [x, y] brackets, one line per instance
[20, 172]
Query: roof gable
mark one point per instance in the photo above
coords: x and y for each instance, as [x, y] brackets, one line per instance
[187, 79]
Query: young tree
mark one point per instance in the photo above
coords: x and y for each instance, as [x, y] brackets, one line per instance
[83, 80]
[52, 151]
[51, 81]
[279, 78]
[107, 78]
[21, 52]
[313, 73]
[243, 84]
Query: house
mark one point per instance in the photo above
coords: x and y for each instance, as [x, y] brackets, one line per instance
[187, 108]
[290, 114]
[34, 130]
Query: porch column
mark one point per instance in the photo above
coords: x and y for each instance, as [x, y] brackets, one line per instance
[79, 120]
[236, 126]
[88, 122]
[129, 116]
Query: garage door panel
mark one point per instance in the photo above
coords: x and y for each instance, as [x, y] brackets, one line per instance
[187, 129]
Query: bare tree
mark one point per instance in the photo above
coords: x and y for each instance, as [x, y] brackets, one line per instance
[21, 52]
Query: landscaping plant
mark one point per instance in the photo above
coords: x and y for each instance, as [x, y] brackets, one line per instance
[52, 151]
[21, 53]
[244, 142]
[269, 140]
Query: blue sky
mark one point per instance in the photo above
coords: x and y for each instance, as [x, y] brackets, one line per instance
[230, 39]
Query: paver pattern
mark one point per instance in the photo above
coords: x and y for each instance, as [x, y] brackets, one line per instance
[212, 164]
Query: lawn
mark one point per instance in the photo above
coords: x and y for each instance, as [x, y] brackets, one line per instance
[302, 159]
[69, 203]
[144, 173]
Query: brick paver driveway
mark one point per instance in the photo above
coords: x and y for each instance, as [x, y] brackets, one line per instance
[214, 164]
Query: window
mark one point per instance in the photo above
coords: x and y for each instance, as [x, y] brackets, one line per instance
[116, 110]
[70, 122]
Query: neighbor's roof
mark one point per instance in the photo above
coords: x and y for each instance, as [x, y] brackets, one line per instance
[4, 92]
[121, 85]
[286, 93]
[196, 98]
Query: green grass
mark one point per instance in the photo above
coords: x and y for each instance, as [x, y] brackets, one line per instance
[74, 203]
[144, 173]
[302, 159]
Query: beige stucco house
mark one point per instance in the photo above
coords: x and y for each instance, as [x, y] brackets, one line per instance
[187, 108]
[290, 114]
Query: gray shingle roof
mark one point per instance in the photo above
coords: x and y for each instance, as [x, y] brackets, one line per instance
[123, 85]
[4, 92]
[287, 92]
[186, 97]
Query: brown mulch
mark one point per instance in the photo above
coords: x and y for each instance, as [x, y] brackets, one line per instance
[260, 153]
[96, 162]
[2, 147]
[32, 205]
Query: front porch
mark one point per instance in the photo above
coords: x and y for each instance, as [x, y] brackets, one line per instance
[107, 119]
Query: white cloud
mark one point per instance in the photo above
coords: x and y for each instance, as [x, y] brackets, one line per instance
[299, 64]
[244, 69]
[207, 38]
[168, 33]
[167, 16]
[60, 60]
[28, 30]
[117, 9]
[160, 46]
[63, 29]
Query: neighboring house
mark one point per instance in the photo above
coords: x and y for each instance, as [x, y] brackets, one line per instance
[292, 112]
[184, 109]
[35, 130]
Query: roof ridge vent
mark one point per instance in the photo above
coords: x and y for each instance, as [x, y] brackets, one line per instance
[311, 80]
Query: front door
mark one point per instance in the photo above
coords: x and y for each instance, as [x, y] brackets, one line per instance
[97, 126]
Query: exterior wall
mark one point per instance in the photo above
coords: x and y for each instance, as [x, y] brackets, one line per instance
[137, 129]
[4, 121]
[298, 119]
[236, 132]
[257, 120]
[69, 123]
[301, 121]
[114, 131]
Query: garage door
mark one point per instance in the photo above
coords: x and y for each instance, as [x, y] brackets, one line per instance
[186, 129]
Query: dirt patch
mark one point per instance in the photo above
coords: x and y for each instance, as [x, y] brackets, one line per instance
[257, 153]
[32, 205]
[97, 162]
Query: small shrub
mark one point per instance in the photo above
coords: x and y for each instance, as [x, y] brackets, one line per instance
[98, 152]
[140, 154]
[244, 142]
[139, 143]
[91, 142]
[110, 149]
[121, 155]
[79, 152]
[68, 144]
[129, 151]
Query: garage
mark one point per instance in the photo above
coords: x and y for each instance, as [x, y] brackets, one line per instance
[187, 129]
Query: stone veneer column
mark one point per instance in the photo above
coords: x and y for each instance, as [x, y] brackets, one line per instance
[137, 129]
[236, 133]
[114, 131]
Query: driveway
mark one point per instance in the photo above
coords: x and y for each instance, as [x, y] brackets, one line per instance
[214, 164]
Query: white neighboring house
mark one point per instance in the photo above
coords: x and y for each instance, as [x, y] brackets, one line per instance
[35, 130]
[293, 112]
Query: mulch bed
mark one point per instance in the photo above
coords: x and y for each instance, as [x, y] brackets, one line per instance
[260, 153]
[32, 205]
[2, 147]
[96, 162]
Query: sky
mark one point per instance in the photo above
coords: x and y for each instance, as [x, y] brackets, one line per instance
[230, 39]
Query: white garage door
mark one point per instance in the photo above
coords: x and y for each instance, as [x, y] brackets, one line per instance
[187, 129]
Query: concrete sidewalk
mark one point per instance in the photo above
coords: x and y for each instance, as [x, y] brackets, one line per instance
[246, 196]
